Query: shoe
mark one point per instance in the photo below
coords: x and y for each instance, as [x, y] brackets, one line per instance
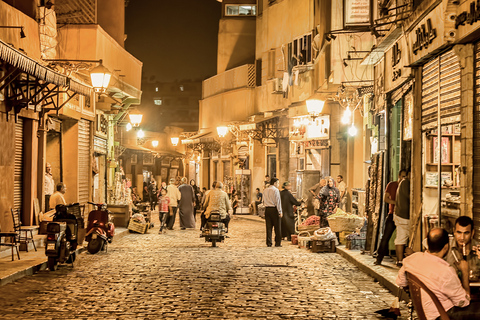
[377, 263]
[269, 245]
[278, 245]
[399, 264]
[182, 228]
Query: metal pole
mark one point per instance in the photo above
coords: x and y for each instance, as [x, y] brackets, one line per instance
[439, 148]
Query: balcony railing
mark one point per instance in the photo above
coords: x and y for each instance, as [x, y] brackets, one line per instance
[240, 77]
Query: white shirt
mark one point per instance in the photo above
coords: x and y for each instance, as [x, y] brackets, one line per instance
[49, 184]
[439, 277]
[174, 194]
[56, 198]
[271, 198]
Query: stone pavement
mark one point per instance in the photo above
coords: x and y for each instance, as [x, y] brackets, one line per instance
[178, 275]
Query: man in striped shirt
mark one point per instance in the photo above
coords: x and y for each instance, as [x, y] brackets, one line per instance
[273, 212]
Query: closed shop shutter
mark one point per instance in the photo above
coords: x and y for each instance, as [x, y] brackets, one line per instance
[443, 72]
[83, 160]
[476, 146]
[18, 167]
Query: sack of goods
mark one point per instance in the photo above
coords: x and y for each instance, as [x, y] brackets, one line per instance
[324, 234]
[344, 221]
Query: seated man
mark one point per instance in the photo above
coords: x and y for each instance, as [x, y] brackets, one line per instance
[256, 202]
[217, 200]
[58, 198]
[440, 278]
[464, 247]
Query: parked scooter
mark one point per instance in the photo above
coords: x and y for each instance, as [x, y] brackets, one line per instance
[214, 230]
[62, 235]
[100, 229]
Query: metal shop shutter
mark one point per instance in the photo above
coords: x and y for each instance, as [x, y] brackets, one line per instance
[441, 73]
[18, 166]
[476, 145]
[83, 160]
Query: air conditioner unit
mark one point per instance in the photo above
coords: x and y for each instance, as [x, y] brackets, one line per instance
[277, 84]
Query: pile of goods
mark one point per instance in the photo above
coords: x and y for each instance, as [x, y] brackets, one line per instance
[312, 223]
[138, 224]
[344, 221]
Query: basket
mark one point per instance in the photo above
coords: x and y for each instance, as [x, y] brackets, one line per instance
[348, 223]
[138, 227]
[310, 228]
[303, 239]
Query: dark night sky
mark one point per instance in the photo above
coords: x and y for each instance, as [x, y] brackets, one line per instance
[175, 39]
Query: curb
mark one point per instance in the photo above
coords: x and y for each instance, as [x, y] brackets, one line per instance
[42, 265]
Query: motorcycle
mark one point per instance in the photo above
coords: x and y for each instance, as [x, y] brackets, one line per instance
[100, 229]
[214, 230]
[62, 232]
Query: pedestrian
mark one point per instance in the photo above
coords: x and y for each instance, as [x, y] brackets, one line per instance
[174, 195]
[203, 219]
[266, 181]
[217, 200]
[145, 196]
[390, 196]
[58, 197]
[152, 194]
[256, 202]
[196, 192]
[288, 219]
[430, 268]
[401, 217]
[186, 205]
[313, 202]
[273, 212]
[329, 198]
[234, 201]
[342, 188]
[163, 202]
[49, 185]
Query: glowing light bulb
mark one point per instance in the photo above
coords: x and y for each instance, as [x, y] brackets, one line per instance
[352, 131]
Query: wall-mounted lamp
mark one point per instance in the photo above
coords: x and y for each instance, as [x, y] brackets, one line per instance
[315, 107]
[135, 119]
[346, 116]
[140, 134]
[352, 131]
[154, 143]
[174, 141]
[22, 34]
[222, 131]
[128, 127]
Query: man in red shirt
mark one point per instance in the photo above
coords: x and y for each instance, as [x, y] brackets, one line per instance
[389, 197]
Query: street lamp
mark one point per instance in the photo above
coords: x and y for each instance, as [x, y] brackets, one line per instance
[174, 141]
[100, 77]
[346, 116]
[128, 127]
[135, 119]
[315, 107]
[140, 134]
[222, 131]
[155, 143]
[352, 131]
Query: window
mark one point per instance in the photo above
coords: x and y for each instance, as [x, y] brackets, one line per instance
[157, 101]
[271, 64]
[300, 50]
[240, 10]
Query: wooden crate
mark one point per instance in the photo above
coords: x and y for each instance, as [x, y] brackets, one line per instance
[321, 246]
[138, 227]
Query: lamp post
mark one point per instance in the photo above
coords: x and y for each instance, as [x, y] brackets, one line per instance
[135, 119]
[315, 107]
[100, 77]
[222, 131]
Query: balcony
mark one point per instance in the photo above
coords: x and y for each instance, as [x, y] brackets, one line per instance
[240, 77]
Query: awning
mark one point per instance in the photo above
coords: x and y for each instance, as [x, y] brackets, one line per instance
[23, 62]
[199, 138]
[135, 147]
[378, 51]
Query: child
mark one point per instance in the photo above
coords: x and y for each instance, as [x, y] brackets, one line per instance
[163, 202]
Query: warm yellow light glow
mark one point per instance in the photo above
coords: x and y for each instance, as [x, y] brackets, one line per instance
[222, 131]
[315, 106]
[100, 77]
[155, 143]
[346, 116]
[135, 119]
[140, 134]
[352, 131]
[174, 141]
[128, 127]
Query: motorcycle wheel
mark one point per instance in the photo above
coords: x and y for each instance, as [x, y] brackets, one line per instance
[72, 257]
[214, 243]
[52, 264]
[95, 245]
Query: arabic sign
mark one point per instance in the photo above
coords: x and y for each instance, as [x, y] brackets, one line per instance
[356, 13]
[467, 19]
[396, 58]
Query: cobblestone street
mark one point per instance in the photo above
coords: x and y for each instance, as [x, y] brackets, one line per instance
[178, 275]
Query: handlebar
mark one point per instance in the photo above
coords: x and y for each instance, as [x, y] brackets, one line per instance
[98, 205]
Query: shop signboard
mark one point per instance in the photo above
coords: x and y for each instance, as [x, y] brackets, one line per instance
[467, 19]
[396, 60]
[426, 38]
[357, 13]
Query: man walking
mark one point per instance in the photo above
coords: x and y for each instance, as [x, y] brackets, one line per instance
[402, 217]
[174, 195]
[273, 212]
[390, 196]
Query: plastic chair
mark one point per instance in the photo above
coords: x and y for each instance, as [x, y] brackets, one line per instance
[415, 287]
[25, 233]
